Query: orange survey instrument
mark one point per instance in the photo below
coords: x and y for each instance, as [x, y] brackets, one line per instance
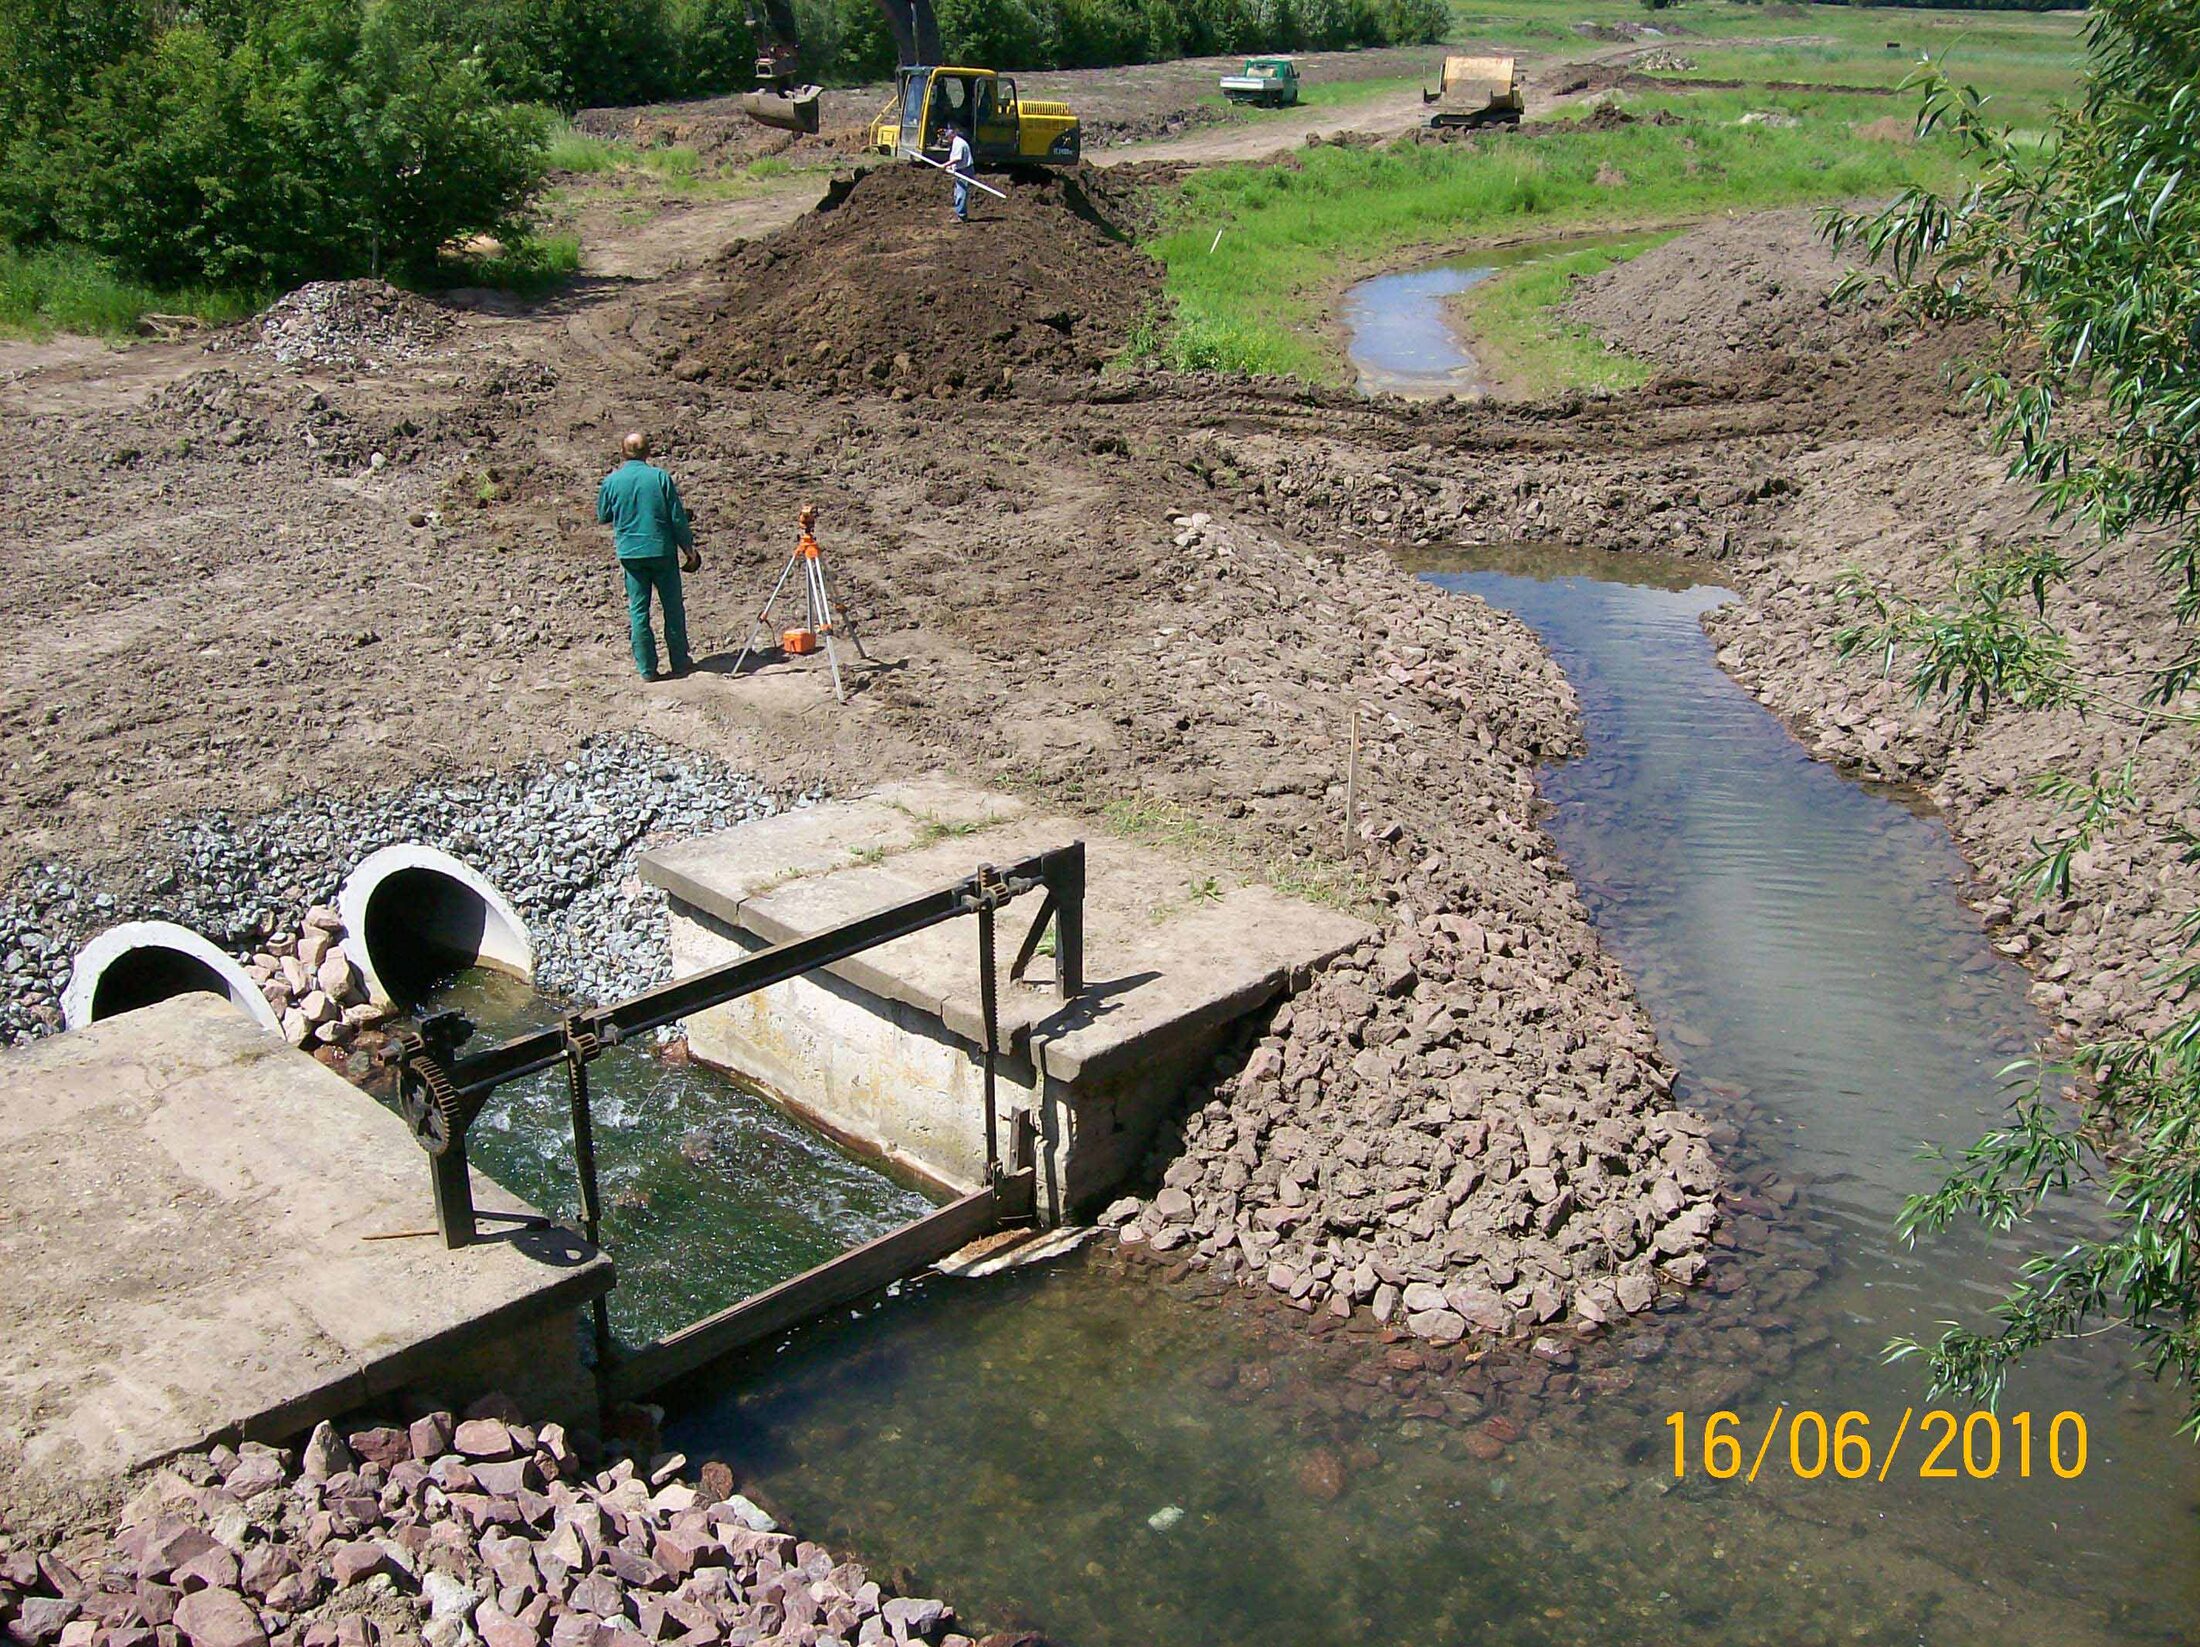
[803, 639]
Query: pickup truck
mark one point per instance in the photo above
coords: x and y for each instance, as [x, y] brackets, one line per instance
[1268, 82]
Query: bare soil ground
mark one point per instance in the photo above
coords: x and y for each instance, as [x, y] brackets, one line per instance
[884, 288]
[236, 579]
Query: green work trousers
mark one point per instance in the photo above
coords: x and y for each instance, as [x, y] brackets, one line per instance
[661, 574]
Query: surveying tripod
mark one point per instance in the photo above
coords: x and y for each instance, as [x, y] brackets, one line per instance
[803, 639]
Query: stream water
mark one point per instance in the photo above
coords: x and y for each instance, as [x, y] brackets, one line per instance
[1402, 338]
[1122, 1455]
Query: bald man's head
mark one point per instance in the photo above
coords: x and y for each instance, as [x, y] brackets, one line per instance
[636, 445]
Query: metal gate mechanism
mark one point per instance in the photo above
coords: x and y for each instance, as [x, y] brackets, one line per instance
[440, 1094]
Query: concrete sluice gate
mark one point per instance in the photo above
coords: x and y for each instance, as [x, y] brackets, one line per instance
[824, 955]
[141, 962]
[413, 915]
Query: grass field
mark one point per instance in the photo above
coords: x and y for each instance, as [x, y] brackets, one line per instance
[1292, 236]
[66, 289]
[1864, 29]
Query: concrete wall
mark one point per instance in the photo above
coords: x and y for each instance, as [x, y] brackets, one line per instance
[539, 1363]
[891, 1080]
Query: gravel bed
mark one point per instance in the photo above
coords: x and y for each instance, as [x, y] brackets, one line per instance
[560, 841]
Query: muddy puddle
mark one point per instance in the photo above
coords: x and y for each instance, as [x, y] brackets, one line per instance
[1402, 336]
[1122, 1454]
[709, 1191]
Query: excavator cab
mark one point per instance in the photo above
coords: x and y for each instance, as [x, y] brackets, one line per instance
[1004, 130]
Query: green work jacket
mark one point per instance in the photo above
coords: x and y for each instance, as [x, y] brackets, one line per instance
[642, 507]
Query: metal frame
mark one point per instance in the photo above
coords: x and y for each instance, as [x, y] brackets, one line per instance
[441, 1094]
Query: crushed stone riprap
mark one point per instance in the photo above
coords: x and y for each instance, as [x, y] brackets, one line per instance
[479, 1530]
[312, 984]
[1466, 1124]
[558, 840]
[343, 323]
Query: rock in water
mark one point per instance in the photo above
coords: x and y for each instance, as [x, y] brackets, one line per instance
[1321, 1475]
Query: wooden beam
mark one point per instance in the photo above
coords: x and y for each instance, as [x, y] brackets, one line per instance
[842, 1280]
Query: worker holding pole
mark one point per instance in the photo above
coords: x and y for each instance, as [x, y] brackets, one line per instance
[962, 165]
[654, 542]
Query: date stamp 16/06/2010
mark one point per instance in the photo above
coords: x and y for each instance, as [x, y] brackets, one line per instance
[1943, 1445]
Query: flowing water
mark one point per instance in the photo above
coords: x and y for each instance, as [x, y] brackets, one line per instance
[709, 1192]
[1402, 337]
[1128, 1456]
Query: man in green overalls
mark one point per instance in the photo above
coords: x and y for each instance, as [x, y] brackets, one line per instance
[650, 530]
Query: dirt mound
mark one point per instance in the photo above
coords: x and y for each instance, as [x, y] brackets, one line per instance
[1888, 128]
[880, 288]
[1144, 128]
[341, 323]
[1626, 31]
[1605, 117]
[1722, 294]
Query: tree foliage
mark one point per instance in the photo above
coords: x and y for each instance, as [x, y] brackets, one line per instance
[582, 53]
[2081, 253]
[252, 143]
[252, 146]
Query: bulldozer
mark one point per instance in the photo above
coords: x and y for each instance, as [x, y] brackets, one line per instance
[1474, 91]
[1004, 130]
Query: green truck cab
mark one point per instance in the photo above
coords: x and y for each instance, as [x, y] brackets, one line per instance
[1267, 82]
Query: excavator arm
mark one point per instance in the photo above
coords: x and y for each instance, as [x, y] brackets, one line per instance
[783, 103]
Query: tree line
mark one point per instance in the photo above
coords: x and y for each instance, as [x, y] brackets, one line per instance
[257, 143]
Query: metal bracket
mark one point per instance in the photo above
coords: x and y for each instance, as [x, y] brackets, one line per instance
[1029, 948]
[581, 1045]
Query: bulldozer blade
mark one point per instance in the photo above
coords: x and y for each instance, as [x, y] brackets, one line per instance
[795, 112]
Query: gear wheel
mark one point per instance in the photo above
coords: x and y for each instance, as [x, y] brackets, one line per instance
[425, 1097]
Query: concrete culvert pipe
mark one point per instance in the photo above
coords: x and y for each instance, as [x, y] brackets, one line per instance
[140, 962]
[413, 915]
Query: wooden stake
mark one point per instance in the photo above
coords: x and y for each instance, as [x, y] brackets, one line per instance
[1351, 788]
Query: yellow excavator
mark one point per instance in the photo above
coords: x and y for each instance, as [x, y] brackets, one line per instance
[1004, 130]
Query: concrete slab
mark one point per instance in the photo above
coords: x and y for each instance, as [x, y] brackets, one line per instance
[879, 1050]
[205, 1232]
[1167, 939]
